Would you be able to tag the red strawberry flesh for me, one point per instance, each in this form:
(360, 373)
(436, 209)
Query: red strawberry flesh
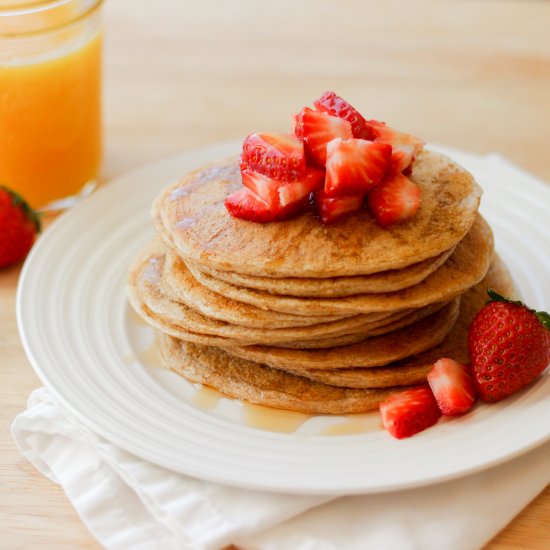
(316, 129)
(405, 146)
(312, 180)
(265, 188)
(452, 384)
(396, 199)
(331, 209)
(278, 156)
(355, 166)
(334, 105)
(245, 205)
(408, 412)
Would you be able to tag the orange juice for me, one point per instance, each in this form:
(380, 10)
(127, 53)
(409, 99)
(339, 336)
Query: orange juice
(50, 114)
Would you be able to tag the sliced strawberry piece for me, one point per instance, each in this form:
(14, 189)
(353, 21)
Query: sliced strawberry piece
(354, 166)
(316, 129)
(331, 209)
(405, 146)
(278, 156)
(334, 105)
(396, 199)
(247, 206)
(452, 384)
(296, 190)
(410, 411)
(265, 188)
(275, 193)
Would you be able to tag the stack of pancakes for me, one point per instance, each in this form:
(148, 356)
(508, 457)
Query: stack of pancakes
(313, 318)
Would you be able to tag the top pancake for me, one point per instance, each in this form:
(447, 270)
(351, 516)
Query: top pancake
(191, 217)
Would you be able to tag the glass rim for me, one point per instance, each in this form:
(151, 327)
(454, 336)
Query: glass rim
(28, 16)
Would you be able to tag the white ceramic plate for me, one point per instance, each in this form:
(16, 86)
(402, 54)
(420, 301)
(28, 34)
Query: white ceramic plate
(88, 348)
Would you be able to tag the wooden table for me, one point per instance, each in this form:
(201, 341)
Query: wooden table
(179, 75)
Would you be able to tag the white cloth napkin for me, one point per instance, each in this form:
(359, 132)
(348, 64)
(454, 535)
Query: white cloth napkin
(128, 503)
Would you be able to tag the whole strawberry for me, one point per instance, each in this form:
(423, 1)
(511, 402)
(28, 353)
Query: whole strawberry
(509, 347)
(19, 225)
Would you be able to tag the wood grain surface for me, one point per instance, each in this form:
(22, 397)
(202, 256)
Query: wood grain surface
(180, 75)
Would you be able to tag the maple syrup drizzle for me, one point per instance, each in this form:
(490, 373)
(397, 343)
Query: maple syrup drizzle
(272, 420)
(149, 356)
(136, 318)
(354, 424)
(206, 398)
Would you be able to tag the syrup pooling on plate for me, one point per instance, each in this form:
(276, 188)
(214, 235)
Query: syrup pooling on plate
(206, 398)
(272, 420)
(149, 356)
(354, 424)
(281, 421)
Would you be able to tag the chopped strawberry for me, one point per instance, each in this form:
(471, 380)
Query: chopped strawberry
(405, 146)
(331, 209)
(453, 386)
(396, 199)
(354, 166)
(334, 105)
(278, 156)
(275, 193)
(316, 129)
(265, 188)
(246, 205)
(410, 411)
(297, 190)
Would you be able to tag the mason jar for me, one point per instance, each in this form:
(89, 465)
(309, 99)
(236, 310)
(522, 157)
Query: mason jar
(50, 98)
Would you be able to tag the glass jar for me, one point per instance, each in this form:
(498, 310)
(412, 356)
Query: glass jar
(50, 98)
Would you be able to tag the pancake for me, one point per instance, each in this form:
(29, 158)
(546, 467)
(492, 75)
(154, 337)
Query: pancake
(464, 268)
(324, 342)
(256, 383)
(191, 215)
(334, 287)
(413, 370)
(262, 385)
(385, 326)
(178, 319)
(376, 351)
(179, 285)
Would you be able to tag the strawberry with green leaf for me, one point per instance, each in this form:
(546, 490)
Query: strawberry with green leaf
(19, 225)
(509, 346)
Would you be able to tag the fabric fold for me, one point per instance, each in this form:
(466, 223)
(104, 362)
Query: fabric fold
(129, 503)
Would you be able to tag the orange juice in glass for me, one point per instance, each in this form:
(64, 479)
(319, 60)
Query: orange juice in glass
(50, 98)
